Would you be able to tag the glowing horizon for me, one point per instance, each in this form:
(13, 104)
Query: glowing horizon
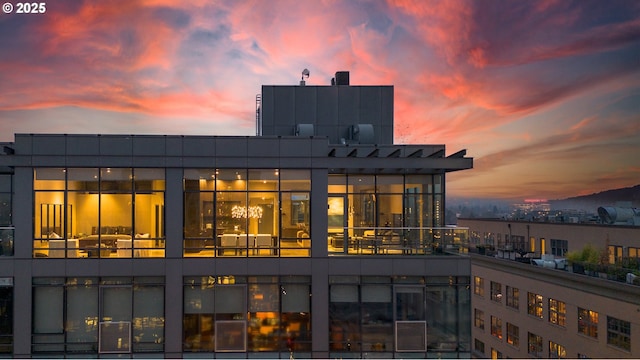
(544, 95)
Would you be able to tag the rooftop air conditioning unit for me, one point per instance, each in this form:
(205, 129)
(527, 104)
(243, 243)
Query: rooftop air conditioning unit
(342, 78)
(304, 130)
(362, 134)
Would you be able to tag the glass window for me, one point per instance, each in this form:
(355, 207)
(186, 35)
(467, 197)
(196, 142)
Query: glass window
(478, 318)
(337, 184)
(278, 313)
(496, 291)
(6, 184)
(99, 212)
(496, 327)
(344, 318)
(557, 351)
(48, 319)
(588, 322)
(389, 214)
(293, 180)
(478, 346)
(534, 305)
(513, 297)
(559, 247)
(478, 285)
(496, 354)
(6, 240)
(263, 179)
(365, 311)
(377, 317)
(513, 335)
(619, 333)
(82, 305)
(557, 312)
(49, 178)
(88, 315)
(535, 345)
(231, 179)
(247, 212)
(6, 318)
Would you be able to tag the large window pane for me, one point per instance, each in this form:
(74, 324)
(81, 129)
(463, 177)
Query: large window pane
(82, 315)
(230, 302)
(49, 179)
(199, 310)
(199, 217)
(337, 184)
(5, 199)
(409, 303)
(377, 317)
(116, 179)
(148, 318)
(49, 214)
(344, 318)
(295, 180)
(263, 180)
(231, 180)
(47, 306)
(199, 179)
(116, 303)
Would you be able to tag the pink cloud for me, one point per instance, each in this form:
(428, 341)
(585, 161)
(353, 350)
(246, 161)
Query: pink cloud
(466, 74)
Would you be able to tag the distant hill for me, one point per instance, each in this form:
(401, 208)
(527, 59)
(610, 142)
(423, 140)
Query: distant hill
(604, 198)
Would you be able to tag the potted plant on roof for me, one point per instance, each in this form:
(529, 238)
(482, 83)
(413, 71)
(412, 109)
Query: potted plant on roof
(584, 261)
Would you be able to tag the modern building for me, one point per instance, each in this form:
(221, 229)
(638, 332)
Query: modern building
(317, 238)
(528, 301)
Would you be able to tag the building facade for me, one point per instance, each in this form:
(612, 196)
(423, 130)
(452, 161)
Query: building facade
(316, 239)
(528, 301)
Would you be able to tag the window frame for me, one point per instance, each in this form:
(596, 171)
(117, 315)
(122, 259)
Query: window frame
(534, 344)
(513, 335)
(513, 297)
(496, 291)
(535, 305)
(478, 318)
(478, 286)
(496, 327)
(619, 333)
(557, 351)
(586, 324)
(557, 312)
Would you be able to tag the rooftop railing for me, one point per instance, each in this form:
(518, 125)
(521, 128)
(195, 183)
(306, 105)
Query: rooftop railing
(625, 272)
(398, 240)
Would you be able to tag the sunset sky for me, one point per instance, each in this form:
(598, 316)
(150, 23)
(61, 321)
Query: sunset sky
(544, 95)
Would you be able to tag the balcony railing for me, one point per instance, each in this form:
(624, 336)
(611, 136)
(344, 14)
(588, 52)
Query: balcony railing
(398, 240)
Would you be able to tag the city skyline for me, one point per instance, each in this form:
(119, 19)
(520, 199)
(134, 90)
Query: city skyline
(543, 94)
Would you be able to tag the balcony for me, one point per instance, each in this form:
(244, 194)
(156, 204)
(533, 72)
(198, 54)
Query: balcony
(402, 241)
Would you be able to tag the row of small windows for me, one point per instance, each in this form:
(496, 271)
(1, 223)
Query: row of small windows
(618, 331)
(558, 247)
(534, 345)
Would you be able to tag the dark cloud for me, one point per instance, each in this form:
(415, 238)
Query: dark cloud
(174, 18)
